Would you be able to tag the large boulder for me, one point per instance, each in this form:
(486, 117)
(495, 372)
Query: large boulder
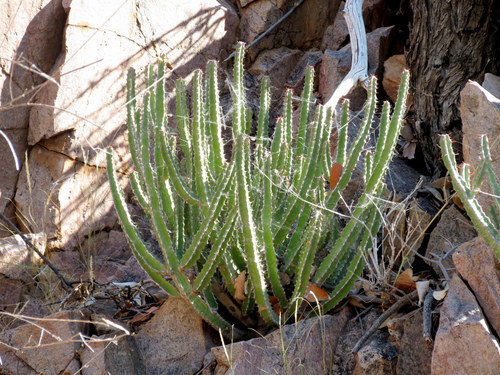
(174, 341)
(452, 230)
(464, 344)
(82, 112)
(307, 346)
(32, 33)
(480, 113)
(476, 264)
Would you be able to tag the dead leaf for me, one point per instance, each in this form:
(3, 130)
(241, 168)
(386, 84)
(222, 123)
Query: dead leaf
(409, 149)
(405, 281)
(440, 294)
(422, 289)
(335, 173)
(458, 202)
(442, 183)
(276, 305)
(143, 317)
(239, 286)
(407, 132)
(315, 293)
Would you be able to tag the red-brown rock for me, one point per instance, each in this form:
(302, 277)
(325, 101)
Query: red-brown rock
(306, 346)
(480, 113)
(393, 68)
(476, 264)
(464, 344)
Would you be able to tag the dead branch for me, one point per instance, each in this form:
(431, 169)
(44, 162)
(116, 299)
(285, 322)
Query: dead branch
(359, 65)
(382, 318)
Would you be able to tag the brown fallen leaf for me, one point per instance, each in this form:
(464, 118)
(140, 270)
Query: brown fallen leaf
(405, 281)
(276, 305)
(142, 317)
(239, 286)
(335, 173)
(315, 293)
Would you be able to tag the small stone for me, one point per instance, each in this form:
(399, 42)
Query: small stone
(393, 68)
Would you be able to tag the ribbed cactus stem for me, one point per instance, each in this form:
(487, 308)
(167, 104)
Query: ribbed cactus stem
(483, 224)
(214, 119)
(252, 250)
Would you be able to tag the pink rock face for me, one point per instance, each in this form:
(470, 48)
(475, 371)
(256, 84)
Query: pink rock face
(67, 200)
(32, 32)
(464, 344)
(480, 113)
(83, 112)
(477, 265)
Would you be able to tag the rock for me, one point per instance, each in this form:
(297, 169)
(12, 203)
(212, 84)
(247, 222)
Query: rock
(244, 3)
(130, 35)
(307, 24)
(47, 347)
(309, 347)
(277, 64)
(256, 18)
(491, 84)
(303, 29)
(464, 344)
(84, 113)
(16, 259)
(344, 360)
(414, 355)
(477, 265)
(336, 64)
(376, 358)
(335, 34)
(452, 230)
(32, 33)
(174, 341)
(297, 75)
(18, 287)
(92, 358)
(393, 68)
(67, 199)
(403, 233)
(376, 13)
(11, 365)
(480, 113)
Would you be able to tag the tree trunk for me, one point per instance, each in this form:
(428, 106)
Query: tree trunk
(450, 43)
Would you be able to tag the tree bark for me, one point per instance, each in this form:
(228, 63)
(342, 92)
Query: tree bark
(450, 43)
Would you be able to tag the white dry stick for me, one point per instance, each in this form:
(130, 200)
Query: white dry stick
(12, 149)
(359, 65)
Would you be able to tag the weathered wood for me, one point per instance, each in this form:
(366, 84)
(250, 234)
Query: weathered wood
(450, 43)
(359, 66)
